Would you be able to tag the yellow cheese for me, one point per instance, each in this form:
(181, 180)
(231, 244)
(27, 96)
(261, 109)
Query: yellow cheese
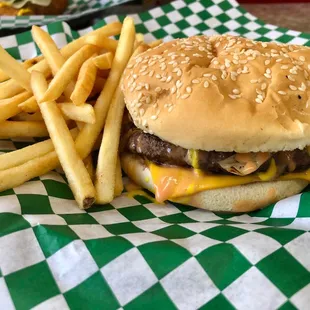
(175, 182)
(22, 12)
(270, 173)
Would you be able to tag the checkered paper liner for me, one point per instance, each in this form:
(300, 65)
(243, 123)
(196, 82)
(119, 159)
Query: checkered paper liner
(134, 254)
(76, 8)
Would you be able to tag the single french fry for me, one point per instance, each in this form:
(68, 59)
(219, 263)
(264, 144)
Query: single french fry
(78, 177)
(36, 167)
(119, 186)
(48, 48)
(51, 53)
(26, 64)
(67, 73)
(85, 82)
(104, 61)
(88, 135)
(10, 107)
(30, 105)
(140, 37)
(102, 42)
(155, 43)
(26, 117)
(12, 129)
(88, 162)
(14, 69)
(84, 113)
(21, 156)
(11, 87)
(107, 158)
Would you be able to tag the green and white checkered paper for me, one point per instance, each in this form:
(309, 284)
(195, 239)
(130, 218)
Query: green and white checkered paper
(134, 254)
(76, 9)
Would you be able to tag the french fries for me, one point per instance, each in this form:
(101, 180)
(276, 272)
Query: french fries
(104, 61)
(12, 129)
(66, 74)
(85, 82)
(14, 69)
(106, 173)
(19, 157)
(84, 113)
(10, 107)
(32, 107)
(102, 42)
(119, 186)
(90, 132)
(78, 177)
(107, 159)
(155, 43)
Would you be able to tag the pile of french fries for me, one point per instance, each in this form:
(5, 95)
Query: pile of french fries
(52, 96)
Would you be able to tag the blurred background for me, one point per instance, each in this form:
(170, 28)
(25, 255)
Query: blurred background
(292, 14)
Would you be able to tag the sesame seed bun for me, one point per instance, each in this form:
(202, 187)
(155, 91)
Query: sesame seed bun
(222, 93)
(244, 198)
(57, 7)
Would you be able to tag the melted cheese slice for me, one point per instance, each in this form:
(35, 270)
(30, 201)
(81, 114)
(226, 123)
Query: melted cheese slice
(175, 182)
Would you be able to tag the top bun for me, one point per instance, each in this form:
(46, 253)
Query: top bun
(222, 93)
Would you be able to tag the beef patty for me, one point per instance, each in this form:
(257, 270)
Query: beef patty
(165, 153)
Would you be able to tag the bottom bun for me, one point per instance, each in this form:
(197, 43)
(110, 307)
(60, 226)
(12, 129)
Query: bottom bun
(243, 198)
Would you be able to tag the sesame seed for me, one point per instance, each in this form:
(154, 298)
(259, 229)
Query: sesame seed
(158, 76)
(291, 78)
(253, 81)
(184, 96)
(188, 89)
(141, 112)
(170, 109)
(292, 87)
(264, 86)
(169, 78)
(233, 76)
(260, 97)
(215, 62)
(206, 84)
(281, 92)
(302, 87)
(232, 96)
(173, 90)
(147, 86)
(293, 71)
(207, 75)
(267, 62)
(179, 73)
(195, 81)
(154, 117)
(264, 44)
(279, 60)
(284, 67)
(258, 100)
(268, 71)
(179, 84)
(214, 78)
(302, 58)
(236, 91)
(158, 89)
(268, 76)
(148, 100)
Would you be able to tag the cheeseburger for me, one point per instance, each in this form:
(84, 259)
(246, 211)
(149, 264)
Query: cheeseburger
(220, 123)
(32, 7)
